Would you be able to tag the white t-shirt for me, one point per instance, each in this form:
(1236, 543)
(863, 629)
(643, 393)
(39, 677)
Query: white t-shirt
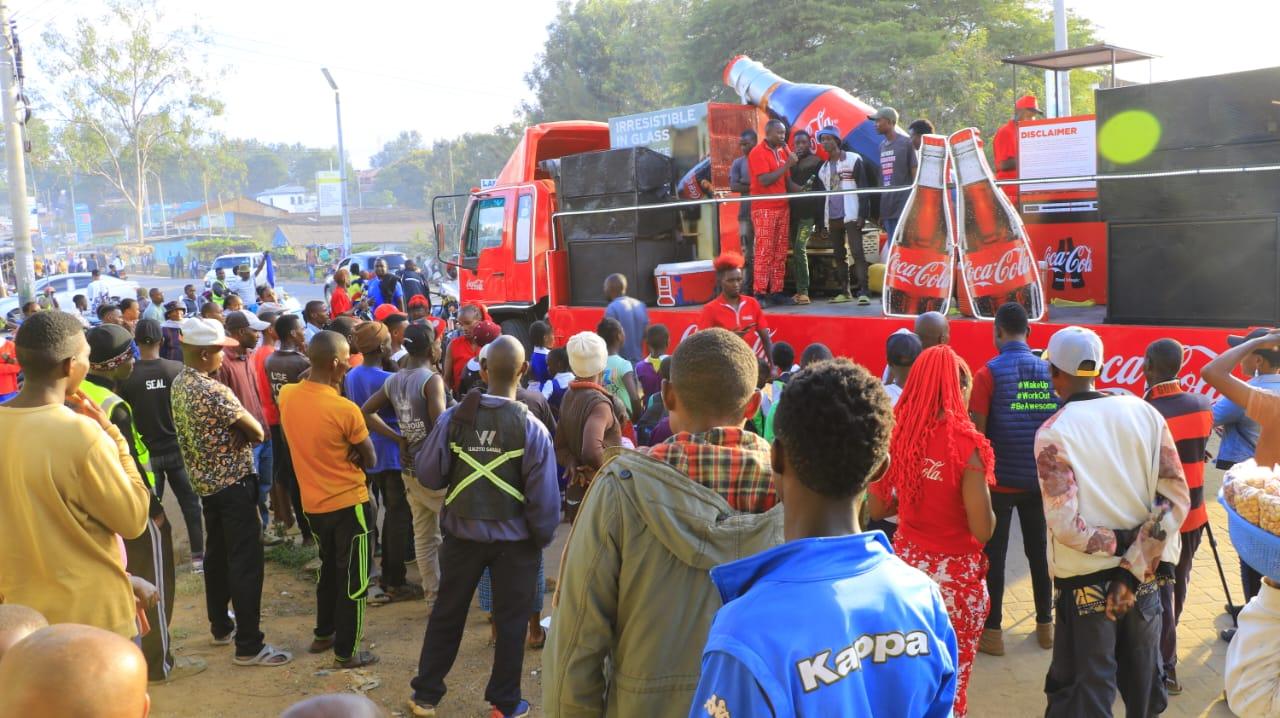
(894, 391)
(842, 174)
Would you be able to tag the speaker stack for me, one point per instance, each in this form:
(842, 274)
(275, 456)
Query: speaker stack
(627, 242)
(1199, 249)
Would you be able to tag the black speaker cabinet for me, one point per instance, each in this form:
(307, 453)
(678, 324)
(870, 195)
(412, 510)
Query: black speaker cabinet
(1205, 272)
(591, 260)
(622, 223)
(630, 169)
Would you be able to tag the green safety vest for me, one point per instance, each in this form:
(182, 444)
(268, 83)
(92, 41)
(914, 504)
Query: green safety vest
(484, 481)
(215, 297)
(108, 400)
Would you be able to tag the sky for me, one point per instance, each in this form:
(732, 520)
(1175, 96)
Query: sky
(446, 67)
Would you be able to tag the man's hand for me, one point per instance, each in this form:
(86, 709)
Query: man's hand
(791, 159)
(353, 455)
(1119, 600)
(84, 406)
(1270, 341)
(144, 594)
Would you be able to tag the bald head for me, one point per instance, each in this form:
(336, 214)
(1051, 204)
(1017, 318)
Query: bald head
(505, 361)
(74, 670)
(615, 285)
(932, 328)
(334, 705)
(16, 623)
(1164, 360)
(326, 346)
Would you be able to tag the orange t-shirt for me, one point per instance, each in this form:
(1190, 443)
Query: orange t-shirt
(1264, 408)
(321, 427)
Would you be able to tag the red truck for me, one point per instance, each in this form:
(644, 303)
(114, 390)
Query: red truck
(510, 260)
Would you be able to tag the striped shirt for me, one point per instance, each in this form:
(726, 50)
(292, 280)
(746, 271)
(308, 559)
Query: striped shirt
(1190, 420)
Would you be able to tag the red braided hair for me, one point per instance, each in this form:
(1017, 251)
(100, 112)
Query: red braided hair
(932, 401)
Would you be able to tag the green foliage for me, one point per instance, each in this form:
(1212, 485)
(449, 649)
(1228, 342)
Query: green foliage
(291, 555)
(209, 248)
(403, 145)
(938, 59)
(448, 167)
(129, 95)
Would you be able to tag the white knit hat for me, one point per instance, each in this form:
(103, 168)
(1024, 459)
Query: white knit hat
(587, 354)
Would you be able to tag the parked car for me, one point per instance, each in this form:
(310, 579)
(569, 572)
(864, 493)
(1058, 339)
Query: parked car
(229, 262)
(66, 287)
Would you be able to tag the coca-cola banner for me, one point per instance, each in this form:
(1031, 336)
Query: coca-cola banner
(1075, 254)
(862, 339)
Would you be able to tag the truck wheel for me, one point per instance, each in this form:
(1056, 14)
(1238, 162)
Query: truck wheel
(518, 328)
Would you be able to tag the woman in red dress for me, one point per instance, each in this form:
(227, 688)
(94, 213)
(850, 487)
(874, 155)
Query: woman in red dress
(339, 300)
(937, 483)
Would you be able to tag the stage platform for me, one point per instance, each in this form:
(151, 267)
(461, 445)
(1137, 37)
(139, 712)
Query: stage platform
(823, 308)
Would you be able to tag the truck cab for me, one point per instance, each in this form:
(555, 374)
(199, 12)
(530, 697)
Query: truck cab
(508, 257)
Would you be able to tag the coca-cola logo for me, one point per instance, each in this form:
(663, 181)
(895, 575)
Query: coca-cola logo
(1012, 264)
(1079, 259)
(929, 275)
(1125, 372)
(475, 285)
(820, 121)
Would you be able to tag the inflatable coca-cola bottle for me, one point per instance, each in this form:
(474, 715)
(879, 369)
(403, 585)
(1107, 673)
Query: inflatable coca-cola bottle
(807, 107)
(920, 262)
(997, 264)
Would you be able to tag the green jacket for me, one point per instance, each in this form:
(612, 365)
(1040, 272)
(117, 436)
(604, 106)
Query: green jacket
(635, 601)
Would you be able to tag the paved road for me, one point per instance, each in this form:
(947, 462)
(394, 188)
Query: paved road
(172, 288)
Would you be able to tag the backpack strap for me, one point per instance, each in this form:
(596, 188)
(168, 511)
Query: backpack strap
(467, 410)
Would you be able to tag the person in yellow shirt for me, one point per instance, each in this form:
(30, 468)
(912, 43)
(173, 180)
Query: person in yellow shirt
(70, 489)
(330, 446)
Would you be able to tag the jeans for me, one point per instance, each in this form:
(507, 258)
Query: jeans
(747, 238)
(1093, 657)
(801, 230)
(425, 505)
(857, 276)
(151, 558)
(1030, 508)
(283, 461)
(1173, 596)
(343, 539)
(514, 568)
(233, 564)
(397, 525)
(169, 468)
(889, 225)
(264, 462)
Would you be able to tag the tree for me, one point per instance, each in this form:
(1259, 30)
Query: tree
(129, 94)
(406, 142)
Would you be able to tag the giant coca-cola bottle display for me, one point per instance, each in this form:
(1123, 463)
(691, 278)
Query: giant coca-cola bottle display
(807, 107)
(996, 260)
(920, 262)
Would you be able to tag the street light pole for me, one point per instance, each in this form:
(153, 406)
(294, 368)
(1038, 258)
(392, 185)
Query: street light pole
(24, 265)
(342, 165)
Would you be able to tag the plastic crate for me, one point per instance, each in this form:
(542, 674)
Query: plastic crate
(1256, 546)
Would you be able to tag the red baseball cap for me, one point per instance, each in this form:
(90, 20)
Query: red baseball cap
(385, 310)
(484, 332)
(1028, 102)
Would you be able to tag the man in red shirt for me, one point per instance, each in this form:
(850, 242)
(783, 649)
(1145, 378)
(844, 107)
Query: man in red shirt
(770, 164)
(1004, 146)
(730, 310)
(9, 370)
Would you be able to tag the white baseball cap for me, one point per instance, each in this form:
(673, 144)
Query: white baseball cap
(1076, 351)
(242, 318)
(200, 332)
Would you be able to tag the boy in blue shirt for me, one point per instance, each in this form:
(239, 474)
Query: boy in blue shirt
(831, 622)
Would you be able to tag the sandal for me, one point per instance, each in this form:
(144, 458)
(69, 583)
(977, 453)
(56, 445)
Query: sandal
(268, 657)
(407, 592)
(359, 659)
(224, 640)
(320, 644)
(377, 597)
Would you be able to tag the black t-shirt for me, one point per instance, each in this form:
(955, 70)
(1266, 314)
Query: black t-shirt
(285, 366)
(147, 391)
(804, 172)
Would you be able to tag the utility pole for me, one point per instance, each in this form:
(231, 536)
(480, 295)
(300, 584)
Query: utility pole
(342, 165)
(24, 269)
(1063, 79)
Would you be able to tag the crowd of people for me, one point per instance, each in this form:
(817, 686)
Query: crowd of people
(741, 484)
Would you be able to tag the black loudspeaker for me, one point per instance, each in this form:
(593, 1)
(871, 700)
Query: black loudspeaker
(591, 260)
(630, 169)
(1207, 272)
(622, 223)
(1205, 122)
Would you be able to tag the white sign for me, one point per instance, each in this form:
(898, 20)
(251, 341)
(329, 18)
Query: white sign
(329, 193)
(487, 183)
(1062, 147)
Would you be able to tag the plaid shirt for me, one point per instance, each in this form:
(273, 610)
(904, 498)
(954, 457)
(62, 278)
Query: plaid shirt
(730, 461)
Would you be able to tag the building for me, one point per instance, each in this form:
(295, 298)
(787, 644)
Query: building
(238, 212)
(391, 230)
(292, 198)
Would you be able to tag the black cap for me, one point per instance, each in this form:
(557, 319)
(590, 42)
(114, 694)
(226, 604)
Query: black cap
(107, 341)
(147, 331)
(417, 337)
(1271, 355)
(903, 348)
(173, 306)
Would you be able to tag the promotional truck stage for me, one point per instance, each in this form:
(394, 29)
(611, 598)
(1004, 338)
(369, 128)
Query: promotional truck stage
(522, 259)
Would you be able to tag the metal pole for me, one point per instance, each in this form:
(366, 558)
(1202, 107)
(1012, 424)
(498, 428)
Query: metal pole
(1063, 85)
(24, 269)
(342, 165)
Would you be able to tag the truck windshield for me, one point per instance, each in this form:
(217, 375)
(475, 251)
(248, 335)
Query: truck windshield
(485, 228)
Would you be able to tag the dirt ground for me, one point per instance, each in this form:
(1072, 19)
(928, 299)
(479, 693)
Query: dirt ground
(393, 631)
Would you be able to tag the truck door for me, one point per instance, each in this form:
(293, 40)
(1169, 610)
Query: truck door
(521, 283)
(487, 255)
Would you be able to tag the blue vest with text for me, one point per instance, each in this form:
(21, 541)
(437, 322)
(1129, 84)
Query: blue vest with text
(1022, 399)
